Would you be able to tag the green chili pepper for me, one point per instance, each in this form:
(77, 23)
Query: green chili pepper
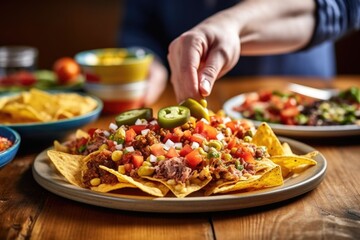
(130, 117)
(173, 116)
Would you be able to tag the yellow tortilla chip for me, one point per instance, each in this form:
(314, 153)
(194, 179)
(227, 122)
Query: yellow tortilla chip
(39, 106)
(153, 188)
(265, 136)
(271, 178)
(68, 165)
(182, 190)
(293, 163)
(287, 149)
(108, 187)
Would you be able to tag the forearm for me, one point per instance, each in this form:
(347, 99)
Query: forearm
(273, 26)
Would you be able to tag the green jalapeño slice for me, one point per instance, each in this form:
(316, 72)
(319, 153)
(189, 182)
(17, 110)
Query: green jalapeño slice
(173, 116)
(197, 109)
(129, 117)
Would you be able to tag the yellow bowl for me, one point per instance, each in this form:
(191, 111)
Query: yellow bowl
(115, 65)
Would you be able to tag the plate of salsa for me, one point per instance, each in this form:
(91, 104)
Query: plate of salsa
(294, 115)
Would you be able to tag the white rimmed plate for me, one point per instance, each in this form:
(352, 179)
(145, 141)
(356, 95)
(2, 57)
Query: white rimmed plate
(49, 178)
(293, 131)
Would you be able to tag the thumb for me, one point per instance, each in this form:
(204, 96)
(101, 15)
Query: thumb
(208, 74)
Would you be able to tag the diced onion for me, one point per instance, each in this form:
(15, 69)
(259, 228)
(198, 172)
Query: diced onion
(178, 145)
(130, 149)
(119, 146)
(220, 136)
(195, 145)
(152, 158)
(168, 144)
(153, 122)
(113, 126)
(145, 131)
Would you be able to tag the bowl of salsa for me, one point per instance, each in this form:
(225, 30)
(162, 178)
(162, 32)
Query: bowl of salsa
(9, 145)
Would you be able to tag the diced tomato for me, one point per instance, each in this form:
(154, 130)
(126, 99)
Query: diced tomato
(265, 96)
(138, 128)
(206, 130)
(185, 150)
(157, 149)
(232, 143)
(172, 153)
(130, 135)
(245, 154)
(91, 131)
(128, 167)
(173, 136)
(236, 127)
(80, 142)
(193, 159)
(290, 112)
(196, 137)
(137, 160)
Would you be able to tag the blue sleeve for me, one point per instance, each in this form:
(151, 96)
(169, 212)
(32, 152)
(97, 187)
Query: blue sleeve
(140, 26)
(334, 19)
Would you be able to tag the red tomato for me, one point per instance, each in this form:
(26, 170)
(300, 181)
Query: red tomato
(130, 135)
(137, 160)
(157, 149)
(172, 153)
(138, 128)
(193, 159)
(66, 69)
(185, 150)
(206, 130)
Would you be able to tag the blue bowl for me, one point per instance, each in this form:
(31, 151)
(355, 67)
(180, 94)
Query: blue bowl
(9, 154)
(56, 129)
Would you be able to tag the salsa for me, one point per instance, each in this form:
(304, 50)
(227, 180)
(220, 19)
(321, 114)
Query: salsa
(293, 109)
(4, 143)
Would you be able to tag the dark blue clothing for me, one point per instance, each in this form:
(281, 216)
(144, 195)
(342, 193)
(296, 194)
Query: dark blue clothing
(155, 23)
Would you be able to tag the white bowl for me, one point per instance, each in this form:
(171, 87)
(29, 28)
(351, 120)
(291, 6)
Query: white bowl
(118, 97)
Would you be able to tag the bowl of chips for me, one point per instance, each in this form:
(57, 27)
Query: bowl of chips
(115, 65)
(9, 145)
(41, 114)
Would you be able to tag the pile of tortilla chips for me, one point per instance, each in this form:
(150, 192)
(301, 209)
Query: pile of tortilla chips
(39, 106)
(270, 171)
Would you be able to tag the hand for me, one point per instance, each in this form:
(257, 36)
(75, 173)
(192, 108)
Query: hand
(203, 54)
(157, 80)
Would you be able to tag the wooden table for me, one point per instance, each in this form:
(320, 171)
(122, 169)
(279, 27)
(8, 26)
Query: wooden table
(331, 211)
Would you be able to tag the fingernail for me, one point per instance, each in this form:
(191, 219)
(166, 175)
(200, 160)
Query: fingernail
(205, 86)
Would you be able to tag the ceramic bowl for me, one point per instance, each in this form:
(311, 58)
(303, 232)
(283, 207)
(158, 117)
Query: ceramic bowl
(118, 97)
(9, 154)
(115, 65)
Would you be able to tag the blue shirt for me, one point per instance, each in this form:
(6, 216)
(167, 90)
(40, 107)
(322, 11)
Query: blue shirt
(154, 24)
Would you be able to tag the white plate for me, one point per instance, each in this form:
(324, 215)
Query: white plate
(294, 131)
(47, 176)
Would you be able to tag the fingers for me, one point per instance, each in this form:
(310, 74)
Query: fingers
(184, 58)
(218, 62)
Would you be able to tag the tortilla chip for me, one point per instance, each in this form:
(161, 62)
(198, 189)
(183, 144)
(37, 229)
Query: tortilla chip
(153, 188)
(40, 106)
(287, 149)
(265, 136)
(271, 178)
(108, 187)
(68, 165)
(181, 190)
(293, 163)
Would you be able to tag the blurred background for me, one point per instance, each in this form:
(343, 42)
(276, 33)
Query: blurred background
(64, 28)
